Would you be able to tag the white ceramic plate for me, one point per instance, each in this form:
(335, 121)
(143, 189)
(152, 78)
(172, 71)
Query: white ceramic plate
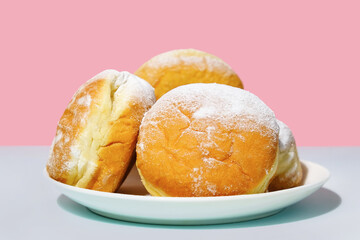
(133, 204)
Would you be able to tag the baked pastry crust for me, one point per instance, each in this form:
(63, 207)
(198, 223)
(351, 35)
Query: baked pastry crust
(175, 68)
(207, 140)
(289, 172)
(96, 135)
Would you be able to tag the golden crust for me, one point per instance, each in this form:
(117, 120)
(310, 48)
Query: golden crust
(181, 155)
(180, 67)
(97, 133)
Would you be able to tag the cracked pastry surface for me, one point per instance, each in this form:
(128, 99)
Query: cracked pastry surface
(207, 140)
(175, 68)
(96, 135)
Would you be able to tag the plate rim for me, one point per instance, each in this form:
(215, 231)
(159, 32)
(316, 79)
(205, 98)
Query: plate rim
(124, 196)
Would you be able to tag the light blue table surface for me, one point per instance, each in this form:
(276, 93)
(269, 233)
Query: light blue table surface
(30, 208)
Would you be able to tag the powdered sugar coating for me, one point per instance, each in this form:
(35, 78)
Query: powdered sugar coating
(87, 121)
(136, 88)
(289, 170)
(202, 62)
(220, 103)
(204, 132)
(286, 138)
(85, 100)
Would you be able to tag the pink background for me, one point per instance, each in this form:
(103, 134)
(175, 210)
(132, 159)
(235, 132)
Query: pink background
(302, 59)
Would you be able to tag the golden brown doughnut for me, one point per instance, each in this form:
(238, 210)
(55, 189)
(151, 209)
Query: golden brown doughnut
(207, 140)
(179, 67)
(289, 172)
(96, 135)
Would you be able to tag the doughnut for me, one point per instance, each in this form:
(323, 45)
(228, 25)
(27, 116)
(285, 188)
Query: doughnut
(179, 67)
(96, 135)
(289, 172)
(207, 140)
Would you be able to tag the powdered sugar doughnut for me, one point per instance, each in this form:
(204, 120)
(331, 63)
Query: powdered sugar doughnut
(184, 66)
(289, 171)
(207, 140)
(96, 135)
